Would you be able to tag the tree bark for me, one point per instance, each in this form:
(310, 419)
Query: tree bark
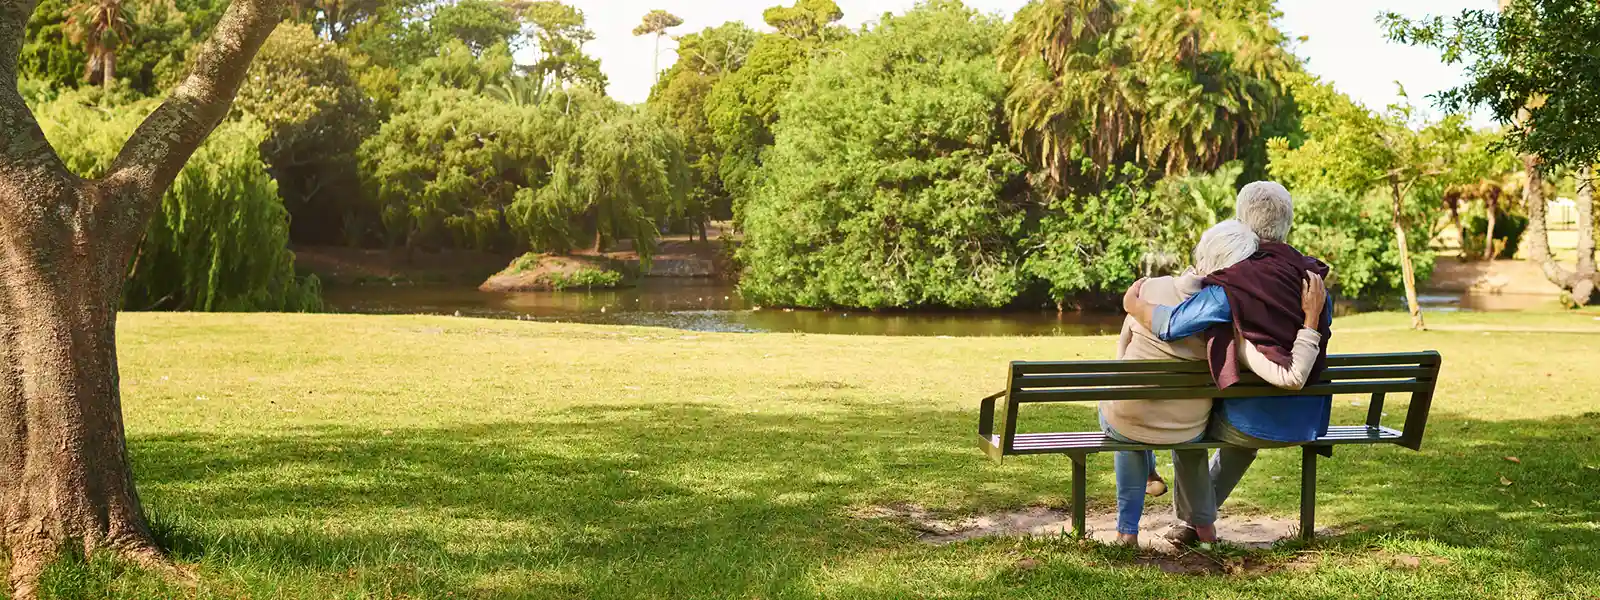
(1538, 230)
(1583, 285)
(109, 78)
(1453, 200)
(65, 247)
(1405, 259)
(1492, 204)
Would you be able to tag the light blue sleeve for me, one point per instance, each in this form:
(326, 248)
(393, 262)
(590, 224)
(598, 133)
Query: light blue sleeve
(1198, 313)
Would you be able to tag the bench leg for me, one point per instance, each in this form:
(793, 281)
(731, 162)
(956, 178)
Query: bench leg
(1308, 492)
(1079, 485)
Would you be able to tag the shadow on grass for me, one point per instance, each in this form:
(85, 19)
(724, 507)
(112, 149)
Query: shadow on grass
(681, 501)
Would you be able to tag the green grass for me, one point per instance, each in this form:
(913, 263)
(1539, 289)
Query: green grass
(325, 456)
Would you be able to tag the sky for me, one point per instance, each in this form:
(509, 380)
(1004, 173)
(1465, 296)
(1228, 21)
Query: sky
(1344, 43)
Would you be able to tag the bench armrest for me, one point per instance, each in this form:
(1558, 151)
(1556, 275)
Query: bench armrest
(991, 444)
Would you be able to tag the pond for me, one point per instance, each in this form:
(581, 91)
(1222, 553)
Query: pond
(715, 306)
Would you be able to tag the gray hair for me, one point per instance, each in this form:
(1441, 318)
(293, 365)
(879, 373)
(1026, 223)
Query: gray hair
(1267, 208)
(1224, 245)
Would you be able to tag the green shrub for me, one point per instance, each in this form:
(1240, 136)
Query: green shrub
(1508, 228)
(585, 278)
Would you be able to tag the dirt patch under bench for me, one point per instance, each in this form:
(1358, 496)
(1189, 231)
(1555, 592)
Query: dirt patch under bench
(1254, 531)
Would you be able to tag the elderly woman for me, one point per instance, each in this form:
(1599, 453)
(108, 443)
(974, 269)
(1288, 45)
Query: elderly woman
(1179, 421)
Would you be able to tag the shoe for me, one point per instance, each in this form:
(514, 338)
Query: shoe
(1155, 488)
(1182, 536)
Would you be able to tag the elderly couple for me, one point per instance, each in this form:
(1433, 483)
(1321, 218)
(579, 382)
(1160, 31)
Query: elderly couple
(1250, 302)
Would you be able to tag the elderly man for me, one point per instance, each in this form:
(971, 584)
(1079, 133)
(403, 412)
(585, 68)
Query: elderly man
(1256, 301)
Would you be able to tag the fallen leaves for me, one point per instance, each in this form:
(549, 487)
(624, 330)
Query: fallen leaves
(1504, 481)
(1513, 459)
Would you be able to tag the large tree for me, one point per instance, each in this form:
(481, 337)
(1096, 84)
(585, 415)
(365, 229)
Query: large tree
(1168, 85)
(1534, 66)
(680, 97)
(890, 184)
(65, 246)
(1356, 151)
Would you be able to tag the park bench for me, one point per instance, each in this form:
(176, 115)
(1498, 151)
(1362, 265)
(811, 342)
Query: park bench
(1413, 373)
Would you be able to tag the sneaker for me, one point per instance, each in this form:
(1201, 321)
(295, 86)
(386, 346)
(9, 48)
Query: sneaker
(1155, 487)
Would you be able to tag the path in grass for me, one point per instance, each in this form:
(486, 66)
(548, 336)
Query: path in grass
(402, 457)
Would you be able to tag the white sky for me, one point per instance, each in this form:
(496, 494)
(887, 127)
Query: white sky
(1345, 45)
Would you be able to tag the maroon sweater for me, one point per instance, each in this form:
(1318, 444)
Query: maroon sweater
(1264, 297)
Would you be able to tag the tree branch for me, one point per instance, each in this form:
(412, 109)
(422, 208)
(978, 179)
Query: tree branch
(161, 145)
(26, 158)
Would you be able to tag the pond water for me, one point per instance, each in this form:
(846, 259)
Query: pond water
(714, 306)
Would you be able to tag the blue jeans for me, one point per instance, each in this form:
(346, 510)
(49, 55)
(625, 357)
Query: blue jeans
(1133, 469)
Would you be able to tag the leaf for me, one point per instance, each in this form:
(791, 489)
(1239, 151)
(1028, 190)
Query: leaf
(1513, 459)
(1504, 481)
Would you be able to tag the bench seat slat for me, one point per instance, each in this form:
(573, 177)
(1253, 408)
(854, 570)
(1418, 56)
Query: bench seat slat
(1080, 380)
(1426, 359)
(1094, 441)
(1422, 359)
(1236, 391)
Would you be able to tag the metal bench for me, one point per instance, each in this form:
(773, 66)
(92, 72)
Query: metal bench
(1413, 373)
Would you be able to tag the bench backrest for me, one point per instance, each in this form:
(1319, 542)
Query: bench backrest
(1083, 381)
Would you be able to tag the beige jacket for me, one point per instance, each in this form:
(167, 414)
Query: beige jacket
(1178, 421)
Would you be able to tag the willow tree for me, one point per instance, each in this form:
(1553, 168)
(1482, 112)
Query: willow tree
(65, 246)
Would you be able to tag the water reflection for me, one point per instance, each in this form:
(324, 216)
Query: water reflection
(704, 305)
(709, 305)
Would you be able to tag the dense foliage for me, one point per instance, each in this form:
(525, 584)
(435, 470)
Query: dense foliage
(306, 91)
(220, 241)
(1533, 65)
(890, 183)
(680, 97)
(936, 158)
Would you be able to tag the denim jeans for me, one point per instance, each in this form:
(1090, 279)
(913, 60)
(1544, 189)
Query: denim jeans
(1133, 469)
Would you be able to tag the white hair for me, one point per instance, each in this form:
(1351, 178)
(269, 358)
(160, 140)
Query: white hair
(1267, 208)
(1224, 245)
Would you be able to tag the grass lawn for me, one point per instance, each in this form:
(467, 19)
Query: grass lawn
(327, 456)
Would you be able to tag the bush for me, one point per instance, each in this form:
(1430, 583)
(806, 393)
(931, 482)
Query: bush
(585, 278)
(890, 184)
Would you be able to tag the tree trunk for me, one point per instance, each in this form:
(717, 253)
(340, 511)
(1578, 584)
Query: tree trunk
(64, 474)
(1583, 284)
(1492, 204)
(1538, 233)
(109, 78)
(65, 248)
(1454, 202)
(1405, 260)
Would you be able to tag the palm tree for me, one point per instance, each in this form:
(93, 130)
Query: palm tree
(102, 26)
(524, 90)
(1171, 85)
